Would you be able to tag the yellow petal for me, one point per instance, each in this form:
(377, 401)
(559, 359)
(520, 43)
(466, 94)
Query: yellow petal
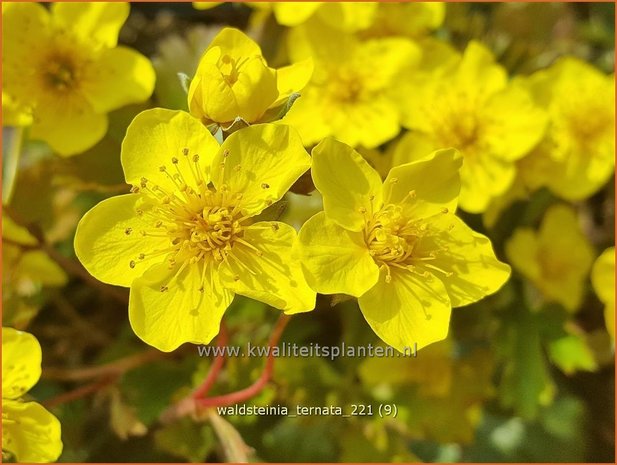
(235, 43)
(435, 181)
(484, 177)
(165, 319)
(390, 58)
(603, 275)
(348, 16)
(516, 125)
(409, 19)
(293, 78)
(367, 123)
(120, 76)
(108, 240)
(69, 124)
(15, 112)
(293, 13)
(25, 26)
(350, 187)
(96, 23)
(335, 260)
(271, 275)
(156, 136)
(302, 117)
(522, 252)
(467, 255)
(479, 71)
(30, 432)
(261, 162)
(21, 363)
(205, 5)
(408, 310)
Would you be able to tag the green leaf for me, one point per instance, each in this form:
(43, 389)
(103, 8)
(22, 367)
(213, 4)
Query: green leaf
(186, 439)
(571, 353)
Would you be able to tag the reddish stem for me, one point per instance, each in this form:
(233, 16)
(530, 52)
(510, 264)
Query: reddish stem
(217, 365)
(78, 393)
(260, 383)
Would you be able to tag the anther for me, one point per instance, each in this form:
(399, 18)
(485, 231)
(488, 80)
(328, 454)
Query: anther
(164, 288)
(236, 278)
(196, 157)
(142, 256)
(185, 152)
(444, 210)
(134, 189)
(132, 264)
(174, 160)
(275, 227)
(265, 185)
(162, 168)
(128, 231)
(158, 224)
(394, 180)
(362, 210)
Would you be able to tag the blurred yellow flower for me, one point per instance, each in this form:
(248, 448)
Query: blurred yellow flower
(603, 280)
(410, 19)
(233, 81)
(577, 156)
(345, 16)
(354, 94)
(470, 106)
(185, 240)
(396, 245)
(64, 71)
(29, 432)
(26, 269)
(556, 259)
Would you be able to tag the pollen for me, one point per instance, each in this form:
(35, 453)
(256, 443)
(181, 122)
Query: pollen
(200, 222)
(394, 240)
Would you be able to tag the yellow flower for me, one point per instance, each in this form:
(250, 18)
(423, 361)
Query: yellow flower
(472, 108)
(345, 16)
(185, 240)
(396, 245)
(233, 81)
(29, 432)
(603, 280)
(65, 71)
(577, 156)
(26, 269)
(354, 92)
(410, 19)
(556, 259)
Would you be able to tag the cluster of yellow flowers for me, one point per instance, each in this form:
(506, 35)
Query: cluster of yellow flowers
(189, 235)
(192, 232)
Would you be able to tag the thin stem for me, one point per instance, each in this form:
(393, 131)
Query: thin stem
(114, 368)
(260, 383)
(189, 405)
(80, 392)
(216, 367)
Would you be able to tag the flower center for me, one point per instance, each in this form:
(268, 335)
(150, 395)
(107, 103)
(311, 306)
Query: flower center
(345, 86)
(201, 222)
(391, 237)
(60, 74)
(394, 237)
